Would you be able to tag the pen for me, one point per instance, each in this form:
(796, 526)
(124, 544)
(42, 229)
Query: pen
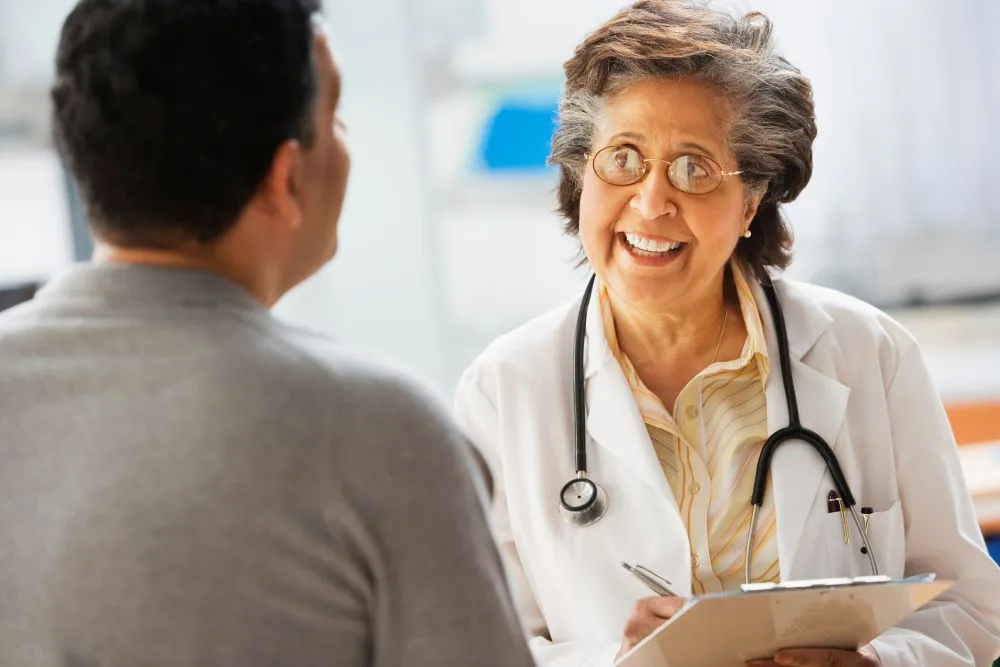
(834, 503)
(865, 513)
(650, 579)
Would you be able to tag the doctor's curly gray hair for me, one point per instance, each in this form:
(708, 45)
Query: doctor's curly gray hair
(772, 121)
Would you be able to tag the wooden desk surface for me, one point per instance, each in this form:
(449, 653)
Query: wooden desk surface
(975, 423)
(990, 526)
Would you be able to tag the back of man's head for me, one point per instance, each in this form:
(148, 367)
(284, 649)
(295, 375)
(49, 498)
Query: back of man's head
(170, 112)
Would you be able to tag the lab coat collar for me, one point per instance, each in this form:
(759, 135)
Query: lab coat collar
(613, 418)
(811, 322)
(797, 471)
(597, 354)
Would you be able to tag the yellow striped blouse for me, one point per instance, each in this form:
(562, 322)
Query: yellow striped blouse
(708, 447)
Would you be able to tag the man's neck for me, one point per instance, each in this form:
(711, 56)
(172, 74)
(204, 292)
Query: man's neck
(196, 258)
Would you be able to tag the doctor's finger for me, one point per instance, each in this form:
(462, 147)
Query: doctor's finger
(638, 629)
(661, 606)
(649, 614)
(864, 657)
(820, 658)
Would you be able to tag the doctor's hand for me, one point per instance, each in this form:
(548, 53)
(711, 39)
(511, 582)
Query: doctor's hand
(822, 657)
(649, 614)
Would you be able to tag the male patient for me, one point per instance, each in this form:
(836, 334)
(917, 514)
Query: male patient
(181, 482)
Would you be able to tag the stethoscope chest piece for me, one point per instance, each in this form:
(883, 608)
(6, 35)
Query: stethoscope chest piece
(582, 501)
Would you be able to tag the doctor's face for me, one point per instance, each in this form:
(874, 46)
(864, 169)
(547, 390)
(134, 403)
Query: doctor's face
(651, 242)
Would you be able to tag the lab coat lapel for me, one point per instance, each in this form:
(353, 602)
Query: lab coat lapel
(797, 470)
(613, 418)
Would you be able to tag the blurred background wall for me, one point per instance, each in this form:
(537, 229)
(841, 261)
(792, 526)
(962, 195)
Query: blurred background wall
(449, 236)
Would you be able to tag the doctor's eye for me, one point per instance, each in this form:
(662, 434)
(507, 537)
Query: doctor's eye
(695, 174)
(619, 165)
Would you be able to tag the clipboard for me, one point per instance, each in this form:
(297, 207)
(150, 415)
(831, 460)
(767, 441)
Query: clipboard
(727, 629)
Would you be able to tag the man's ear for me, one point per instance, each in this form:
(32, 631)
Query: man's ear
(282, 187)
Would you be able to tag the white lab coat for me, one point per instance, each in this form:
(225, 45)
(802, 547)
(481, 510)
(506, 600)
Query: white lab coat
(861, 384)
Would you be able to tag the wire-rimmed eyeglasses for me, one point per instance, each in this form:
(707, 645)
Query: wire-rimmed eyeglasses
(625, 165)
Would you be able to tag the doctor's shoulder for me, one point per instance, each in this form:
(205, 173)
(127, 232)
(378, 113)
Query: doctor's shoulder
(529, 355)
(866, 335)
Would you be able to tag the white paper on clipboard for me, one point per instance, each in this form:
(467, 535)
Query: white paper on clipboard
(727, 629)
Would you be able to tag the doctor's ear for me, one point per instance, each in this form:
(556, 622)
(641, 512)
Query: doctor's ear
(750, 207)
(282, 187)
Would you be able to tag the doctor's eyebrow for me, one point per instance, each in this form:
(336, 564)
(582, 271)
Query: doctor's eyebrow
(633, 136)
(684, 145)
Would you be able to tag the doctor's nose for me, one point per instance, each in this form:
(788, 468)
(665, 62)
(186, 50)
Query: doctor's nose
(655, 197)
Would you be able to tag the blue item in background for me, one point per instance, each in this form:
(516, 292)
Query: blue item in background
(993, 545)
(518, 136)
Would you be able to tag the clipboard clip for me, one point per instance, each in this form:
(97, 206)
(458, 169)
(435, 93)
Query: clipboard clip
(836, 582)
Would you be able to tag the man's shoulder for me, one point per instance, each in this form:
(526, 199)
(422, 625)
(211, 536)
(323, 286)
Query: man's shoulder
(365, 393)
(362, 376)
(386, 417)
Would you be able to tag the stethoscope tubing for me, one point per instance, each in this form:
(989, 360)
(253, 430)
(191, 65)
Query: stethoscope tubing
(591, 512)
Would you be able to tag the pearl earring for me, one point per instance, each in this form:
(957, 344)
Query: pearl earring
(746, 234)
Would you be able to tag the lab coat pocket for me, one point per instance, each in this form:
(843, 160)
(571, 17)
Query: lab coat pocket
(885, 534)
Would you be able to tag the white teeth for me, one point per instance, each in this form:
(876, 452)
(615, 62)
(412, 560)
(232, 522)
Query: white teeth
(650, 245)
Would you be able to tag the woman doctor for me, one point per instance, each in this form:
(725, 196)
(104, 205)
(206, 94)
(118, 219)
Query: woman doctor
(681, 132)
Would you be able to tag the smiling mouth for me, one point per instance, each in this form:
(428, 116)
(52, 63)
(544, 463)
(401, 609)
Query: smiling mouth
(646, 247)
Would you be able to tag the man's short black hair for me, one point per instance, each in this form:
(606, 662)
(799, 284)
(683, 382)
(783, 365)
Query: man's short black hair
(169, 112)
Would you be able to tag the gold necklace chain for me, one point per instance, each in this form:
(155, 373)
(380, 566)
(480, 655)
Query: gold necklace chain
(721, 334)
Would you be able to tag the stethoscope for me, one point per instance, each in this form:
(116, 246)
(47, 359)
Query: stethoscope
(582, 501)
